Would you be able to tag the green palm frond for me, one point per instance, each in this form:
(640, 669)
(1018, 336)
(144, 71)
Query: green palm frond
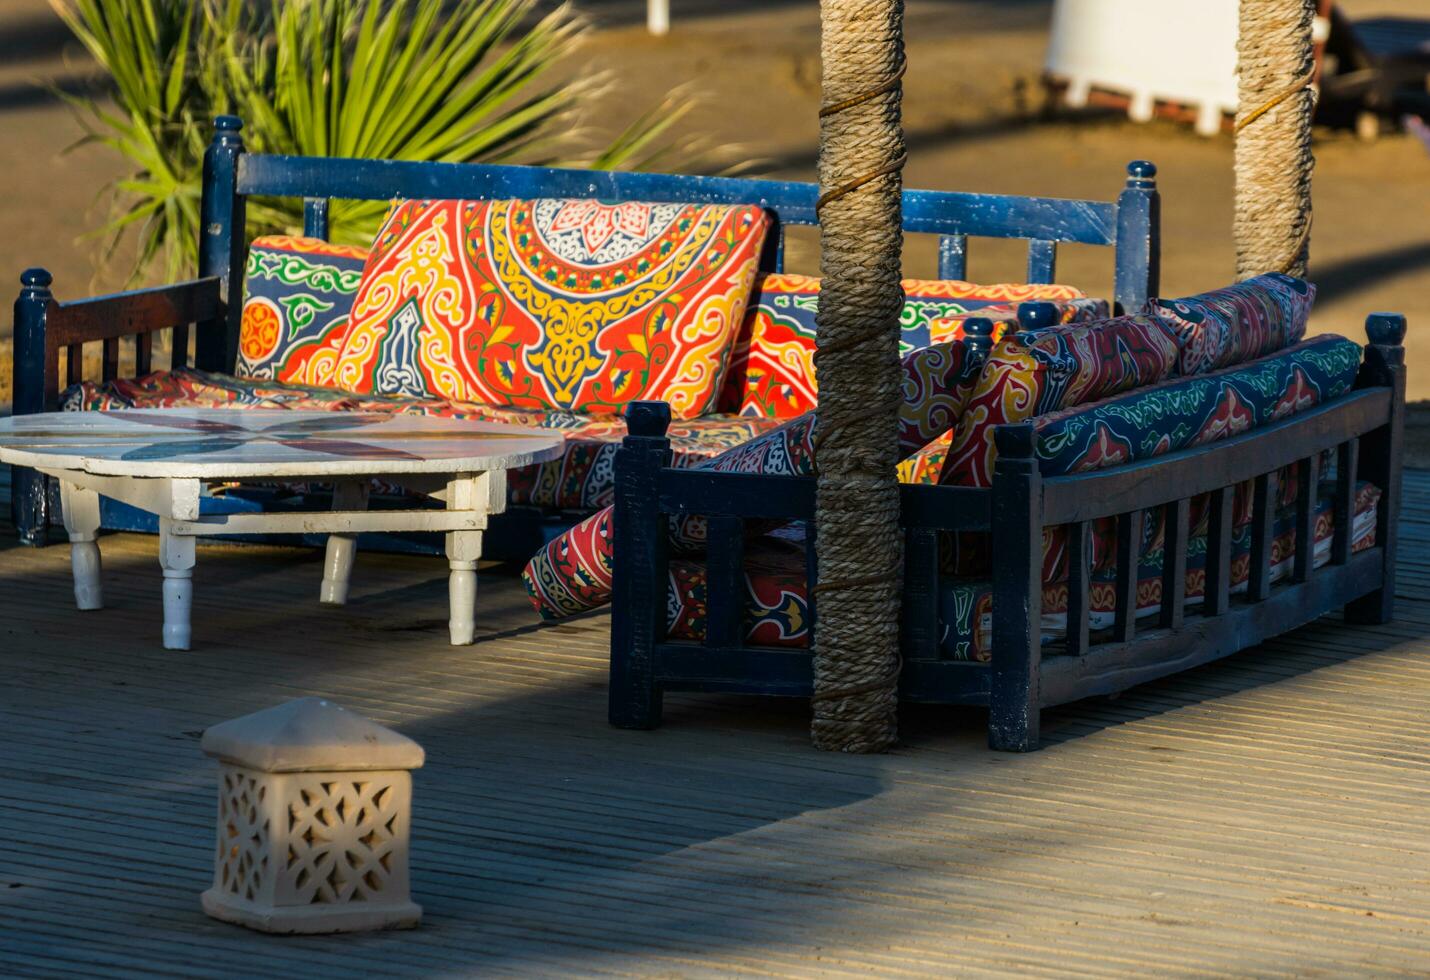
(440, 80)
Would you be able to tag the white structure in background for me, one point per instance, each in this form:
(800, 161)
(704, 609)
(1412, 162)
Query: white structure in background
(314, 808)
(1151, 51)
(657, 17)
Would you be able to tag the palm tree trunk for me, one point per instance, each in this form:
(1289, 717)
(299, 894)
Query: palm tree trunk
(1275, 71)
(858, 544)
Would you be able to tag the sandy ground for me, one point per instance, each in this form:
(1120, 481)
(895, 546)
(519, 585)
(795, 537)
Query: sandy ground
(972, 116)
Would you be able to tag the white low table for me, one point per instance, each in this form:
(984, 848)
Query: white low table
(159, 459)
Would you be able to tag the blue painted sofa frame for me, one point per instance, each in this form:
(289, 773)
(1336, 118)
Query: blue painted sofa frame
(1364, 428)
(213, 305)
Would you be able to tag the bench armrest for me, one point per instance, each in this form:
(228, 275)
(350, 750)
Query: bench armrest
(44, 326)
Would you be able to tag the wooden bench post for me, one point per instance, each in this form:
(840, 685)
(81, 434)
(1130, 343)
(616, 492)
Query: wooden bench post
(1014, 698)
(638, 586)
(1380, 458)
(36, 380)
(1139, 239)
(221, 244)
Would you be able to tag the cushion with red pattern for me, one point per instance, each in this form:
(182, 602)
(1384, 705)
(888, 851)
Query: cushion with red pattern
(577, 305)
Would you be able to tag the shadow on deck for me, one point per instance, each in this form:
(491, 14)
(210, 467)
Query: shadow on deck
(1262, 815)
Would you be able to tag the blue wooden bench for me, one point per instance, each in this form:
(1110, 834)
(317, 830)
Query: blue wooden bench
(211, 307)
(1363, 429)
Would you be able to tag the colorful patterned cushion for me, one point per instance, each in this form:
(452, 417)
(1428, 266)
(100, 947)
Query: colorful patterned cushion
(297, 293)
(772, 364)
(1029, 374)
(926, 465)
(1005, 318)
(1238, 323)
(192, 388)
(1183, 412)
(561, 304)
(777, 605)
(573, 572)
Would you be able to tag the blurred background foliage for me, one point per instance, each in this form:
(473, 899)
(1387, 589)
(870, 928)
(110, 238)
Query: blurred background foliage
(444, 80)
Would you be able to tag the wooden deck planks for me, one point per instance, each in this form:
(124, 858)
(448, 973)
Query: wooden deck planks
(1262, 815)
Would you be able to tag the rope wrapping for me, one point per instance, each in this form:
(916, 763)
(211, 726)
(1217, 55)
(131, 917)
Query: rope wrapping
(1276, 97)
(858, 543)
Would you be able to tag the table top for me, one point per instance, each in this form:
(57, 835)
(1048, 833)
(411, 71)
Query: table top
(234, 443)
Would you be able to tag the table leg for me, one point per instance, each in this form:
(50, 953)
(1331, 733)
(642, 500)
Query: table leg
(176, 557)
(338, 563)
(81, 514)
(464, 549)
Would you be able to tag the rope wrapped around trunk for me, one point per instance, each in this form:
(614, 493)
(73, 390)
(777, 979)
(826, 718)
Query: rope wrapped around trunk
(858, 541)
(1276, 96)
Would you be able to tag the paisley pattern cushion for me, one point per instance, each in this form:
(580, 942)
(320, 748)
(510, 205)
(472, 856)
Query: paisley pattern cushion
(573, 572)
(1029, 374)
(1236, 324)
(561, 304)
(772, 365)
(1183, 412)
(297, 293)
(926, 465)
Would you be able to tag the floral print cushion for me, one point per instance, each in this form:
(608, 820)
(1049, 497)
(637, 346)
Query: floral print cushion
(574, 305)
(297, 294)
(926, 465)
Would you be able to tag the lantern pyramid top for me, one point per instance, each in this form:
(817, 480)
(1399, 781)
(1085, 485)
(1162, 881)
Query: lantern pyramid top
(308, 735)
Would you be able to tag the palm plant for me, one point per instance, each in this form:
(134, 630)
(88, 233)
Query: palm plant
(445, 80)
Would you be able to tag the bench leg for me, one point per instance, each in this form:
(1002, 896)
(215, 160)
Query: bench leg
(176, 557)
(338, 562)
(81, 516)
(1372, 609)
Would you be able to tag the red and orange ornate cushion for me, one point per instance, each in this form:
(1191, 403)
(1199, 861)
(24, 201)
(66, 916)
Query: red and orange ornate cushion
(297, 293)
(772, 365)
(560, 304)
(1028, 374)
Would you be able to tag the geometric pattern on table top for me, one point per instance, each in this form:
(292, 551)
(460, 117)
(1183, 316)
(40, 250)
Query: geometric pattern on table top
(561, 304)
(341, 837)
(337, 435)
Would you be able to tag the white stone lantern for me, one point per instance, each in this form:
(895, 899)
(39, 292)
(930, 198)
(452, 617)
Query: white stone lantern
(314, 808)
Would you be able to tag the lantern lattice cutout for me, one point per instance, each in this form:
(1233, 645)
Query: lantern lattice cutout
(313, 818)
